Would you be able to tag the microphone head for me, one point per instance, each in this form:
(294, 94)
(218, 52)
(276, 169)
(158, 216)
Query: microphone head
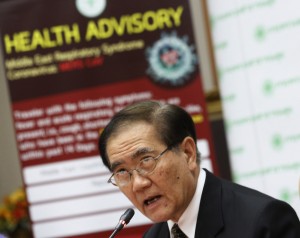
(128, 214)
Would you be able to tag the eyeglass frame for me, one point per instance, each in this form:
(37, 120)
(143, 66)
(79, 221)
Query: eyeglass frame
(136, 169)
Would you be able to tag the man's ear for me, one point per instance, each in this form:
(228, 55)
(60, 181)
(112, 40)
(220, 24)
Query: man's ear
(190, 150)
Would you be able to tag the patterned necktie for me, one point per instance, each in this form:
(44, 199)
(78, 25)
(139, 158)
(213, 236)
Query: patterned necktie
(177, 233)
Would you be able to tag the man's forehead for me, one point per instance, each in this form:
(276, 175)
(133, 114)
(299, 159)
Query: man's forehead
(134, 131)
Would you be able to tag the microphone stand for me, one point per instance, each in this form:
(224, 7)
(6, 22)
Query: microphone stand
(117, 229)
(113, 234)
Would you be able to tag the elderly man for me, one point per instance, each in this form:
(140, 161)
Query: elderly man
(151, 150)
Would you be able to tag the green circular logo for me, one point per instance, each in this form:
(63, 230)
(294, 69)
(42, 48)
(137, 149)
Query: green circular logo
(90, 8)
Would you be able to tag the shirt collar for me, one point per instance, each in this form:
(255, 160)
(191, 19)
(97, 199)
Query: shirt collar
(188, 220)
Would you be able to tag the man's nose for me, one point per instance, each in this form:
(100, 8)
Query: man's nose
(139, 182)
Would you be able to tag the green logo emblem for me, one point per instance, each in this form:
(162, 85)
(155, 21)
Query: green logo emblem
(90, 8)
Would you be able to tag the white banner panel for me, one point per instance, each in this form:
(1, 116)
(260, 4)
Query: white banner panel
(257, 52)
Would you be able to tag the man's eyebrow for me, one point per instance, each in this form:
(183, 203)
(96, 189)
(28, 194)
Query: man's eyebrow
(141, 151)
(135, 155)
(115, 164)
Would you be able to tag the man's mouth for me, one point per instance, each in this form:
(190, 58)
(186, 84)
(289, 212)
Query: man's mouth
(151, 200)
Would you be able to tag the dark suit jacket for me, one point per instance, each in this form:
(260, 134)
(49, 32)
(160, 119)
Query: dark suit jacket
(228, 210)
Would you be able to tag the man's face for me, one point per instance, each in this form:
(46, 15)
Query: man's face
(166, 192)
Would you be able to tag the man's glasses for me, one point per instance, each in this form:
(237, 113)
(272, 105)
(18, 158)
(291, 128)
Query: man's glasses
(122, 177)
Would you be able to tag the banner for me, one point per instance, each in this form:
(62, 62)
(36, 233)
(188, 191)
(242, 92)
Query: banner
(257, 49)
(70, 66)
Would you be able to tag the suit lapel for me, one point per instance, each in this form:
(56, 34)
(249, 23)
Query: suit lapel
(159, 230)
(210, 220)
(164, 231)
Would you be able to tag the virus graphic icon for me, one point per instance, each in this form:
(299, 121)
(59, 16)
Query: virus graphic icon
(171, 60)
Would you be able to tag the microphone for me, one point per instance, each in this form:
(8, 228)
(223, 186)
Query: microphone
(124, 220)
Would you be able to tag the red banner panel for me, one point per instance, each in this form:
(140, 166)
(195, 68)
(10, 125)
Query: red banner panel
(70, 66)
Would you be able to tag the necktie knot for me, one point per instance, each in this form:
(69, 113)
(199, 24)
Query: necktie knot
(176, 232)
